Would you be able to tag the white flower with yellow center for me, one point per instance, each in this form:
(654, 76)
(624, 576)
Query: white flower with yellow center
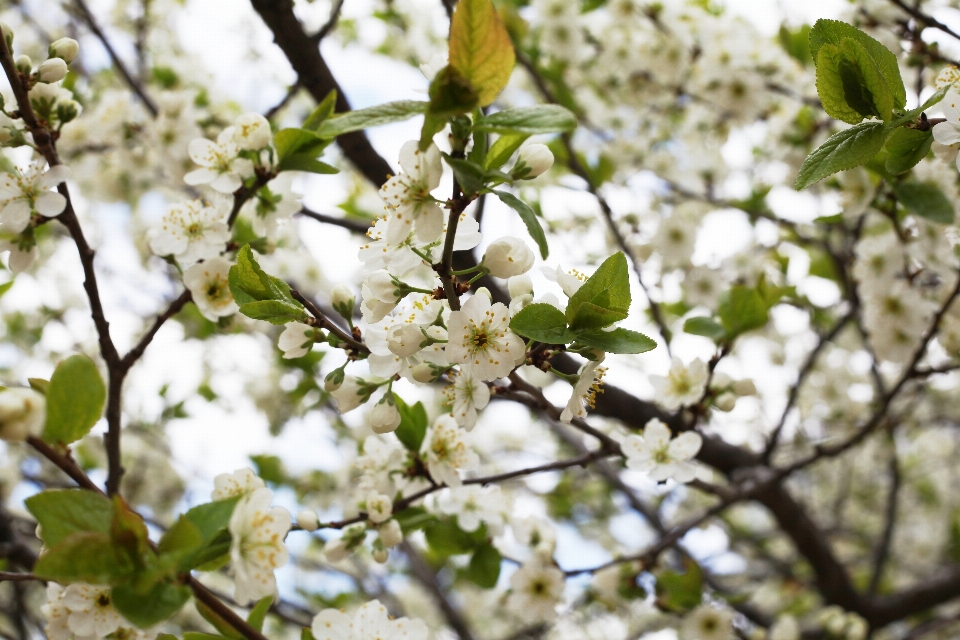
(409, 195)
(586, 390)
(445, 451)
(683, 385)
(369, 622)
(536, 588)
(91, 610)
(239, 483)
(192, 231)
(466, 395)
(29, 192)
(656, 454)
(221, 168)
(480, 336)
(256, 548)
(475, 505)
(208, 284)
(707, 623)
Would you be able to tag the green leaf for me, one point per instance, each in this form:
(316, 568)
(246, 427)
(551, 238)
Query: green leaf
(834, 32)
(181, 540)
(370, 117)
(543, 323)
(530, 219)
(911, 116)
(322, 113)
(833, 86)
(926, 200)
(470, 177)
(259, 613)
(63, 512)
(39, 385)
(291, 142)
(863, 81)
(274, 311)
(742, 309)
(432, 125)
(501, 150)
(906, 148)
(218, 623)
(447, 539)
(484, 567)
(680, 592)
(480, 48)
(196, 635)
(604, 298)
(87, 556)
(543, 118)
(307, 163)
(843, 150)
(703, 326)
(796, 43)
(270, 468)
(211, 517)
(451, 94)
(147, 609)
(413, 518)
(413, 424)
(249, 283)
(74, 400)
(617, 341)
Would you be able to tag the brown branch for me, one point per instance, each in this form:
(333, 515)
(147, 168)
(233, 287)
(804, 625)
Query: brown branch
(132, 82)
(325, 323)
(137, 351)
(315, 76)
(330, 24)
(883, 549)
(12, 576)
(357, 226)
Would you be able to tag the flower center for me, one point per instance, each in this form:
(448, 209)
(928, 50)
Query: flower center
(103, 600)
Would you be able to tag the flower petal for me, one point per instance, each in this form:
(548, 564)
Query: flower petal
(656, 434)
(51, 203)
(685, 446)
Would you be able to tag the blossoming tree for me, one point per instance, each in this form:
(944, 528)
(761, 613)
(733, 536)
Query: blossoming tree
(594, 369)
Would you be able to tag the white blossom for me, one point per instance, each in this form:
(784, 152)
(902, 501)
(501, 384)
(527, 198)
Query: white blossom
(210, 289)
(948, 133)
(466, 395)
(683, 385)
(239, 483)
(296, 340)
(23, 413)
(663, 458)
(26, 193)
(474, 505)
(252, 132)
(256, 548)
(192, 231)
(64, 48)
(379, 507)
(384, 417)
(586, 390)
(307, 520)
(508, 257)
(369, 622)
(480, 336)
(707, 623)
(221, 167)
(445, 451)
(349, 395)
(52, 70)
(271, 206)
(409, 195)
(391, 534)
(91, 610)
(536, 589)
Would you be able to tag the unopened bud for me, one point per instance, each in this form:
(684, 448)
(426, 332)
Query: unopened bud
(381, 555)
(65, 48)
(24, 64)
(52, 70)
(744, 388)
(725, 402)
(252, 132)
(391, 534)
(384, 417)
(67, 110)
(308, 521)
(7, 35)
(534, 160)
(520, 285)
(508, 257)
(424, 373)
(336, 550)
(333, 380)
(343, 300)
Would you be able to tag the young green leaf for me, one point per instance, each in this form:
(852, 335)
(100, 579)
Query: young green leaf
(63, 512)
(616, 341)
(322, 113)
(447, 539)
(370, 117)
(289, 142)
(530, 219)
(833, 86)
(742, 309)
(863, 81)
(543, 118)
(906, 148)
(413, 424)
(274, 311)
(87, 556)
(480, 48)
(307, 163)
(706, 327)
(484, 567)
(156, 605)
(604, 298)
(926, 200)
(259, 613)
(834, 32)
(75, 400)
(451, 94)
(680, 592)
(543, 323)
(911, 116)
(250, 283)
(504, 147)
(470, 177)
(841, 151)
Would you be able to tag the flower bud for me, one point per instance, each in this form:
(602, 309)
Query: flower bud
(64, 48)
(349, 395)
(437, 333)
(785, 628)
(534, 160)
(333, 380)
(23, 413)
(520, 286)
(68, 110)
(404, 340)
(424, 373)
(381, 285)
(252, 132)
(720, 381)
(52, 70)
(725, 402)
(24, 64)
(7, 34)
(379, 507)
(308, 521)
(381, 555)
(391, 534)
(384, 418)
(336, 550)
(343, 300)
(744, 388)
(508, 257)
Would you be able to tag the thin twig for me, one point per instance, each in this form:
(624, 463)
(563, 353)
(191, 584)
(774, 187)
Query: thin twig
(331, 22)
(325, 323)
(137, 351)
(357, 226)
